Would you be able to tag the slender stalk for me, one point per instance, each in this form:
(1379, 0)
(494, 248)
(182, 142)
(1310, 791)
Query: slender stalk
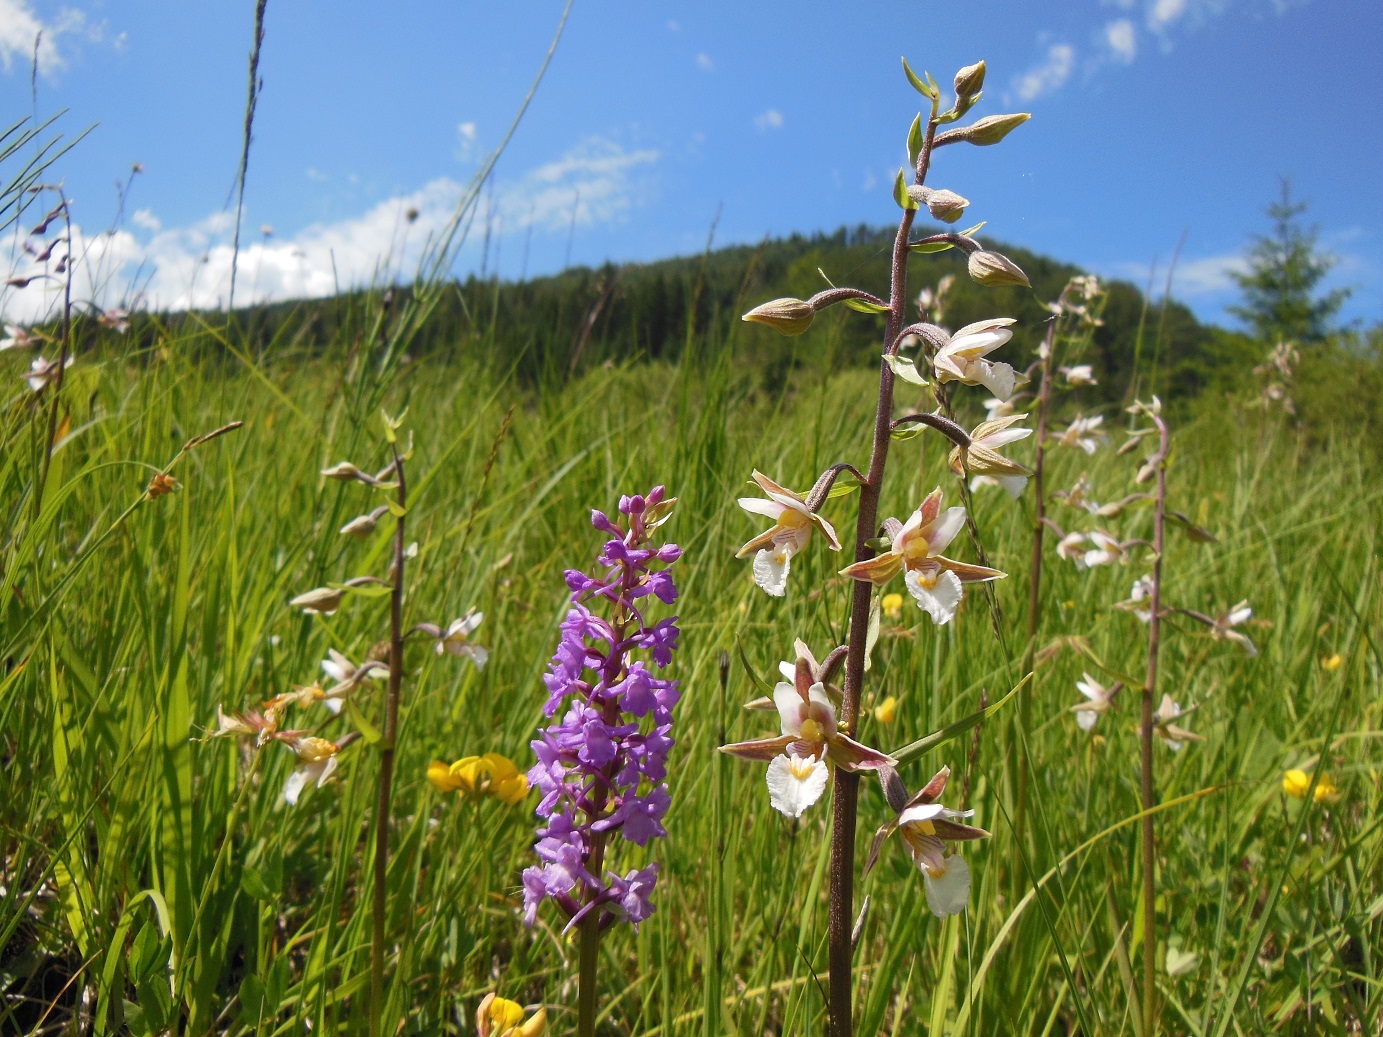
(1146, 743)
(1039, 524)
(386, 761)
(64, 351)
(845, 802)
(589, 927)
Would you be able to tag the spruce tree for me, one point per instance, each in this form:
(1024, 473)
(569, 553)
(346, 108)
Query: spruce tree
(1281, 303)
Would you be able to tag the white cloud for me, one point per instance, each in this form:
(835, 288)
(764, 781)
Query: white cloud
(769, 120)
(1163, 13)
(465, 141)
(704, 62)
(1122, 40)
(1200, 278)
(177, 268)
(21, 28)
(673, 25)
(1047, 77)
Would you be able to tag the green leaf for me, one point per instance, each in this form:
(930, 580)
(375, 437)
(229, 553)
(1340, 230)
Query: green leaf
(368, 731)
(251, 1001)
(929, 92)
(865, 306)
(900, 192)
(157, 1003)
(915, 140)
(844, 485)
(1198, 534)
(970, 232)
(904, 368)
(905, 432)
(145, 956)
(879, 544)
(253, 882)
(928, 247)
(754, 678)
(365, 590)
(950, 732)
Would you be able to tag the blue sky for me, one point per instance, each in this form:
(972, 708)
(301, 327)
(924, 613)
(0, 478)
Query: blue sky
(1152, 119)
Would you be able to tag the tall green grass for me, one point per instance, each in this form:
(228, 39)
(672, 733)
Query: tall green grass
(152, 878)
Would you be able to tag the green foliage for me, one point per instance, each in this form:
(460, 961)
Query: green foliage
(1280, 287)
(152, 878)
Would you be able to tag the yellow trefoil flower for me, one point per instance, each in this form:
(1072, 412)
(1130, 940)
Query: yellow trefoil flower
(1332, 662)
(887, 710)
(474, 776)
(500, 1017)
(1295, 783)
(893, 605)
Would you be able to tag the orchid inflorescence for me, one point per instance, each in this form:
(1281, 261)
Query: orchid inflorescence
(818, 738)
(602, 767)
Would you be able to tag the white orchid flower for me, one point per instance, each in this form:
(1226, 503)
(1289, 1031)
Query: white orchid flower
(962, 358)
(1082, 433)
(793, 523)
(316, 763)
(934, 581)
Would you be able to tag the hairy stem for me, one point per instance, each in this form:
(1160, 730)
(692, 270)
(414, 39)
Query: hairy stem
(386, 761)
(1146, 745)
(842, 873)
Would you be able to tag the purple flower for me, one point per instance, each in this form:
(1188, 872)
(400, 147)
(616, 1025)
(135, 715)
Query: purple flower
(602, 767)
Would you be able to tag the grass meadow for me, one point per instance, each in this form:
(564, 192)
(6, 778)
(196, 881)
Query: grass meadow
(154, 880)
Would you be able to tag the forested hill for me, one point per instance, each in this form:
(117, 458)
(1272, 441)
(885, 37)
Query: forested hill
(586, 316)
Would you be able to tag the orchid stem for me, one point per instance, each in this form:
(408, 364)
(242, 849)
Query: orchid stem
(386, 761)
(842, 870)
(1146, 745)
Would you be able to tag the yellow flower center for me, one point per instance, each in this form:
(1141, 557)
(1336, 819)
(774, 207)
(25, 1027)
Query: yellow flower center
(801, 767)
(812, 731)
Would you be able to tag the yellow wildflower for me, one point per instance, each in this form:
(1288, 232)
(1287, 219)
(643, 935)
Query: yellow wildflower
(1295, 783)
(887, 710)
(478, 775)
(500, 1017)
(1332, 662)
(1326, 792)
(893, 605)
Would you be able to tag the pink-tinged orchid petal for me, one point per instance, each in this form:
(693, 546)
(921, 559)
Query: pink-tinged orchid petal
(845, 752)
(791, 706)
(758, 748)
(967, 572)
(938, 533)
(878, 570)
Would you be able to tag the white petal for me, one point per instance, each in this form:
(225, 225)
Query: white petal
(1086, 718)
(788, 670)
(334, 704)
(789, 705)
(1091, 688)
(1004, 437)
(921, 812)
(1014, 485)
(997, 378)
(480, 656)
(1238, 616)
(949, 892)
(945, 529)
(328, 769)
(758, 506)
(941, 600)
(795, 783)
(297, 781)
(771, 569)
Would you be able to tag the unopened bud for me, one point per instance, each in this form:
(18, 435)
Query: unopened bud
(324, 600)
(343, 471)
(989, 130)
(996, 271)
(946, 206)
(786, 316)
(970, 81)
